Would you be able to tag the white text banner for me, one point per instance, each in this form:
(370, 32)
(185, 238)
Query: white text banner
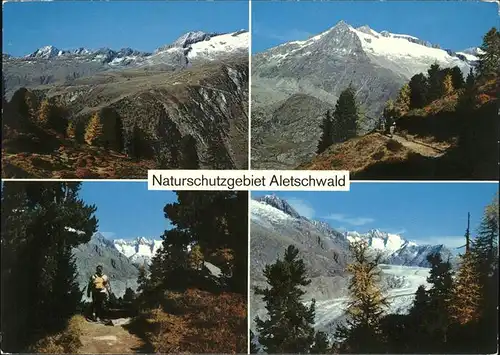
(255, 180)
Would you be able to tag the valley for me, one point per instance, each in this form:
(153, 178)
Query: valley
(185, 105)
(297, 84)
(275, 224)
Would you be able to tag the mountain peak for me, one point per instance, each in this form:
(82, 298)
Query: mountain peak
(280, 204)
(45, 52)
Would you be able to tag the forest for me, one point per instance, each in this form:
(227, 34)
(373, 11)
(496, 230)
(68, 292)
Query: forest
(179, 305)
(457, 314)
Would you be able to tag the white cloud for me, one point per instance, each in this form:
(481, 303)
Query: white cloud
(449, 241)
(302, 207)
(354, 221)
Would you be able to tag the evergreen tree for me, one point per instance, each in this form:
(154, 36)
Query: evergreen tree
(327, 133)
(418, 91)
(36, 248)
(435, 81)
(129, 295)
(366, 305)
(345, 116)
(457, 78)
(440, 294)
(189, 155)
(485, 251)
(254, 349)
(94, 130)
(489, 60)
(321, 344)
(289, 328)
(448, 88)
(213, 220)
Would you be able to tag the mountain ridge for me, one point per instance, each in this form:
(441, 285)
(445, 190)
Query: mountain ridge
(286, 132)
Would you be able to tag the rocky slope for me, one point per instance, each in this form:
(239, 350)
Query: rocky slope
(286, 131)
(99, 250)
(51, 65)
(275, 225)
(196, 87)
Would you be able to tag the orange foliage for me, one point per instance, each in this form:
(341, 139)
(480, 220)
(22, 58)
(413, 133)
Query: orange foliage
(203, 323)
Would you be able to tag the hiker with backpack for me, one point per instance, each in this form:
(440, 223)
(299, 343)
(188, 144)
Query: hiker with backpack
(99, 288)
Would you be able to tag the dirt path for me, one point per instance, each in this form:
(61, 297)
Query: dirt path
(420, 148)
(107, 339)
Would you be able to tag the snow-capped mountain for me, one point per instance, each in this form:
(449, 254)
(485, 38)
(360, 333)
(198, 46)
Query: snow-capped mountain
(191, 46)
(101, 251)
(140, 250)
(398, 251)
(275, 225)
(271, 211)
(295, 83)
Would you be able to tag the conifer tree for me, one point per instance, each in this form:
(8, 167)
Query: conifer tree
(71, 131)
(390, 113)
(94, 130)
(189, 155)
(321, 344)
(289, 328)
(366, 302)
(466, 296)
(44, 113)
(457, 78)
(254, 349)
(448, 88)
(36, 248)
(435, 80)
(440, 294)
(485, 251)
(345, 116)
(196, 257)
(418, 91)
(327, 133)
(403, 100)
(489, 60)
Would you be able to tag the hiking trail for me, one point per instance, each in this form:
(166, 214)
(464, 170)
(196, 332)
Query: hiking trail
(98, 338)
(420, 148)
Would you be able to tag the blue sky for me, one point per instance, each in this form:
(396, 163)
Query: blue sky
(141, 25)
(128, 209)
(422, 212)
(451, 24)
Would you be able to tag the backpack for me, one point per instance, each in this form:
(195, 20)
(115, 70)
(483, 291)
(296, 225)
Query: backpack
(98, 282)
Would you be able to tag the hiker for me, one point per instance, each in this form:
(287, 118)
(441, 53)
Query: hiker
(392, 128)
(99, 288)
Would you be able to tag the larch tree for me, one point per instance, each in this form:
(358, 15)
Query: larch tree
(94, 130)
(448, 88)
(367, 302)
(466, 293)
(403, 100)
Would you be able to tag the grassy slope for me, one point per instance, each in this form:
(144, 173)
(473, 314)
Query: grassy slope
(436, 125)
